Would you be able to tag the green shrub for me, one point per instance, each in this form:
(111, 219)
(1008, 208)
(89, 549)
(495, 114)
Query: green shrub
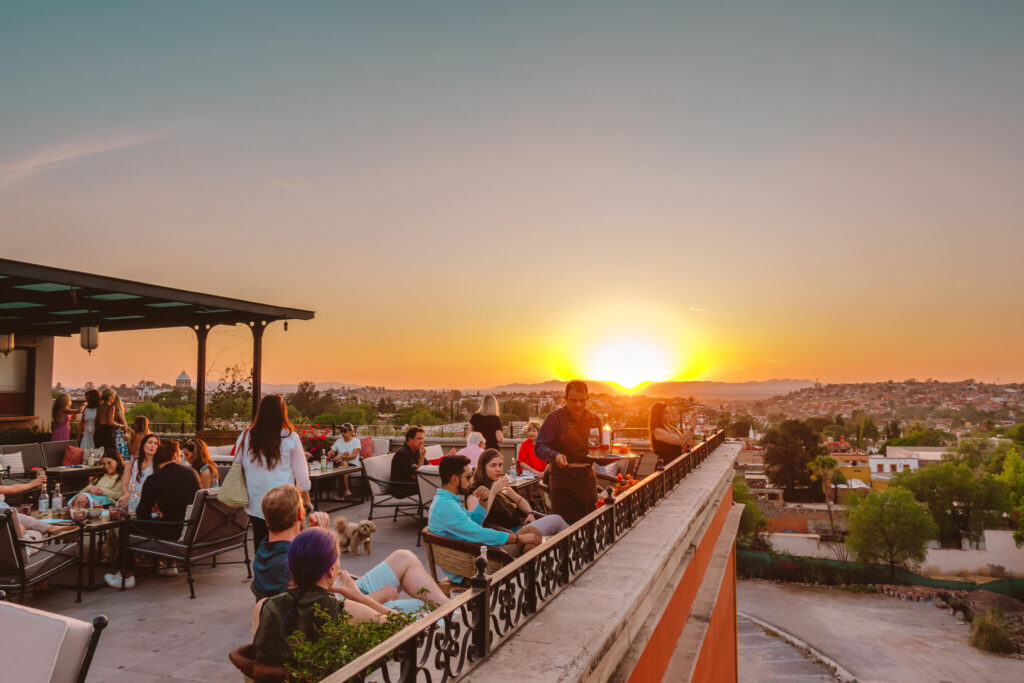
(341, 641)
(990, 632)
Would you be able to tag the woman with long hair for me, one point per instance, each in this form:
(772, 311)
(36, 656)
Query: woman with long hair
(109, 483)
(504, 506)
(141, 467)
(198, 456)
(106, 421)
(140, 428)
(486, 421)
(87, 426)
(313, 566)
(62, 414)
(667, 441)
(120, 429)
(271, 454)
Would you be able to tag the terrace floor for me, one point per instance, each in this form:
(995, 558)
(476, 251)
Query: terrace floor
(157, 633)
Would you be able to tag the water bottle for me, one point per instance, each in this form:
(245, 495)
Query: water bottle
(483, 552)
(133, 503)
(323, 461)
(44, 501)
(57, 502)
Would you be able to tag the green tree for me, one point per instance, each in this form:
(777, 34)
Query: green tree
(890, 527)
(788, 449)
(740, 427)
(753, 531)
(232, 396)
(514, 409)
(176, 397)
(961, 504)
(821, 469)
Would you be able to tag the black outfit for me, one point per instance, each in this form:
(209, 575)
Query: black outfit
(573, 488)
(286, 613)
(403, 468)
(173, 488)
(664, 450)
(488, 425)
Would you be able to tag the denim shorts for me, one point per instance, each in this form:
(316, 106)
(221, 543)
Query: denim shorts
(381, 576)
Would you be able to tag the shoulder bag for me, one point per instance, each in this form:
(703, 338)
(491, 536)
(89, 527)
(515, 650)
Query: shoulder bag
(233, 491)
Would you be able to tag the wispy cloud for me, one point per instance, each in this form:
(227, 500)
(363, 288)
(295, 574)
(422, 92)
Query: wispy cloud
(69, 154)
(698, 310)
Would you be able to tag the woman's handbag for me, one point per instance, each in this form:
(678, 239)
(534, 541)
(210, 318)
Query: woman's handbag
(233, 491)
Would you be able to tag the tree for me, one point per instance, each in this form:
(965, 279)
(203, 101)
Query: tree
(233, 396)
(821, 469)
(961, 504)
(740, 427)
(890, 527)
(1013, 475)
(753, 531)
(788, 449)
(514, 409)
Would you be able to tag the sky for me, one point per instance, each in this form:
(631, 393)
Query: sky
(469, 193)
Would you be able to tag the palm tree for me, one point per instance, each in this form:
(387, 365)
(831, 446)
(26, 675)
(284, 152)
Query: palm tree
(821, 469)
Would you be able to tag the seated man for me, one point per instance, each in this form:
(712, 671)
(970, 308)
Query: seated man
(474, 447)
(166, 494)
(449, 517)
(406, 461)
(378, 588)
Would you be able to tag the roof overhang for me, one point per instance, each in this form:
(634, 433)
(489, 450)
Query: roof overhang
(41, 300)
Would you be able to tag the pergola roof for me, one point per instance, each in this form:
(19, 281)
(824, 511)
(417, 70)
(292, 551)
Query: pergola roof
(40, 300)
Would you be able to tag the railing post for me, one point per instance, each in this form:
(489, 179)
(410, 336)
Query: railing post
(481, 609)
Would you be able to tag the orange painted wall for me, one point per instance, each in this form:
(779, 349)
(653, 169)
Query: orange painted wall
(717, 660)
(654, 660)
(794, 525)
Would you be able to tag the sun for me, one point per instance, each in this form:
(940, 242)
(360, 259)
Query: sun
(629, 363)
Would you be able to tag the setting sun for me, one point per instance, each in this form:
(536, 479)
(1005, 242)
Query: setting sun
(629, 363)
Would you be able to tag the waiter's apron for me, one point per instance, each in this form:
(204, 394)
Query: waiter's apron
(573, 488)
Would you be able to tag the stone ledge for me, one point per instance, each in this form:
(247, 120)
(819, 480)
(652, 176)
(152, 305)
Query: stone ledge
(610, 610)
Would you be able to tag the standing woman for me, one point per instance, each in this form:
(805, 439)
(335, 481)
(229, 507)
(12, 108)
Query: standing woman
(120, 427)
(199, 458)
(667, 441)
(486, 421)
(271, 454)
(142, 467)
(105, 422)
(62, 414)
(87, 427)
(140, 429)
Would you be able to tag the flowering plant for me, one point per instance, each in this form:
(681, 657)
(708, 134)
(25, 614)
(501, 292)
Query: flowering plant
(313, 437)
(622, 483)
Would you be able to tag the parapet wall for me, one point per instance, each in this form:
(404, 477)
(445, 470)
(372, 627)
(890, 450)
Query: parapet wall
(659, 604)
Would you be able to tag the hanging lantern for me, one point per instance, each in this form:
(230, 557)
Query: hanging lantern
(6, 343)
(90, 338)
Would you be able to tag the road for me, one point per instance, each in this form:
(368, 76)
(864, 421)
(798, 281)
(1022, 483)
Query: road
(875, 637)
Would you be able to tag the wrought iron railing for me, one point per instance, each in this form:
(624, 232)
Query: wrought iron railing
(453, 639)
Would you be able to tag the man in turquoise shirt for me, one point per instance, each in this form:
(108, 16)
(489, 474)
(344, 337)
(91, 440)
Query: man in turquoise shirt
(449, 517)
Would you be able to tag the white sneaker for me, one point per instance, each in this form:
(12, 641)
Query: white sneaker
(114, 581)
(167, 571)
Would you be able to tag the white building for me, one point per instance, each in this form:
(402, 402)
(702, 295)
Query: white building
(925, 455)
(147, 390)
(183, 381)
(884, 464)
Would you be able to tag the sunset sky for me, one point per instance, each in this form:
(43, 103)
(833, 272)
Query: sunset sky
(469, 194)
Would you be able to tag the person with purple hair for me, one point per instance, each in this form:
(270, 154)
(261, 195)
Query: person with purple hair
(313, 565)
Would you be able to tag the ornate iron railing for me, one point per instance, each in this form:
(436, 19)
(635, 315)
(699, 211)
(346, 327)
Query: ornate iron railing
(453, 639)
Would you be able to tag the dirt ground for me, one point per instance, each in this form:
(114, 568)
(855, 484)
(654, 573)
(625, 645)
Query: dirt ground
(875, 637)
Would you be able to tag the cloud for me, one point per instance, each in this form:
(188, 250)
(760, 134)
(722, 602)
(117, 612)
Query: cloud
(69, 154)
(697, 310)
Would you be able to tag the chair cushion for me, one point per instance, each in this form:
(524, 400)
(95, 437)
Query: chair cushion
(434, 454)
(53, 452)
(73, 455)
(381, 445)
(379, 467)
(12, 460)
(366, 447)
(30, 643)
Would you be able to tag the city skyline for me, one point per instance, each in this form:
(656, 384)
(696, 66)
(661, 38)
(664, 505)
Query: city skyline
(472, 196)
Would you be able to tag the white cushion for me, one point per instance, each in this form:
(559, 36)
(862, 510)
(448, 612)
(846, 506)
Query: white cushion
(434, 452)
(41, 646)
(378, 467)
(220, 450)
(14, 461)
(429, 481)
(381, 445)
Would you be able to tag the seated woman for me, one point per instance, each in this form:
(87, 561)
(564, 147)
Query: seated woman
(527, 457)
(313, 565)
(504, 506)
(106, 490)
(667, 441)
(198, 455)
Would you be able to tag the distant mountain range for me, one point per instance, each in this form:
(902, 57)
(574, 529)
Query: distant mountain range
(730, 391)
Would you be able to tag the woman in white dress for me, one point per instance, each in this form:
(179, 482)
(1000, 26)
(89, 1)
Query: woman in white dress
(271, 454)
(87, 426)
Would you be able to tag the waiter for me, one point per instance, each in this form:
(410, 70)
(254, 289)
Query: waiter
(562, 442)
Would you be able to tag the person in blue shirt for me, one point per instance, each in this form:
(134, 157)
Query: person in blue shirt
(450, 518)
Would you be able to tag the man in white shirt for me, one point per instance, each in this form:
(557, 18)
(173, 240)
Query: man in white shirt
(474, 447)
(345, 451)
